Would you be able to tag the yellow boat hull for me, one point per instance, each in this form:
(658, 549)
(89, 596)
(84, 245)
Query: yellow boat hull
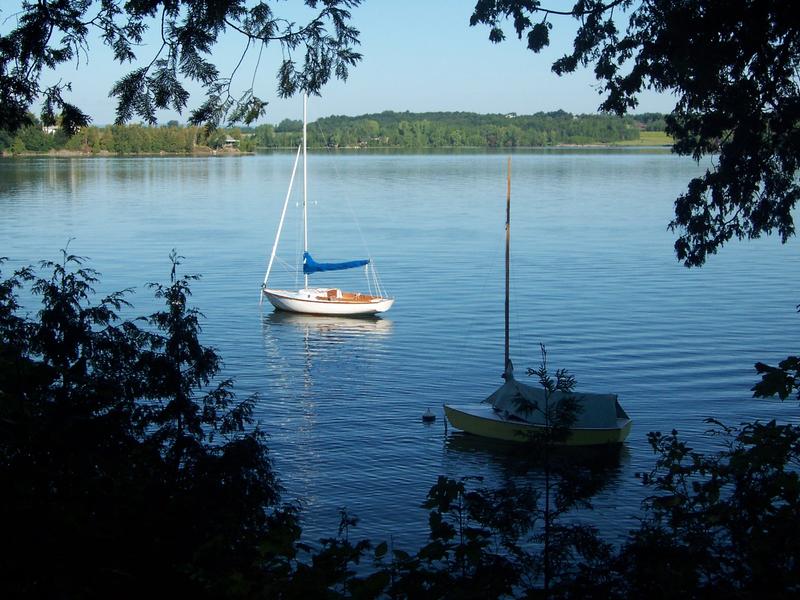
(482, 420)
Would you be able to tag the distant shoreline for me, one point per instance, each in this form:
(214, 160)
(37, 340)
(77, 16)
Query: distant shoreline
(387, 130)
(235, 152)
(62, 153)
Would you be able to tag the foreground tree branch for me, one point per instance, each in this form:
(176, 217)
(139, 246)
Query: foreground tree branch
(732, 66)
(52, 32)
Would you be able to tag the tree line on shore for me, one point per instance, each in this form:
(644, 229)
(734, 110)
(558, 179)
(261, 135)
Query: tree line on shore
(381, 130)
(171, 138)
(461, 129)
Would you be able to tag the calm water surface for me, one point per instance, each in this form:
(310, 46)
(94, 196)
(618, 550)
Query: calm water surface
(593, 278)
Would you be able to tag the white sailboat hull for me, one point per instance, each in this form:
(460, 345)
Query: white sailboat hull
(323, 301)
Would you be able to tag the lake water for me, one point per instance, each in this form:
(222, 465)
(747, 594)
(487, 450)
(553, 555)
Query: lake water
(594, 278)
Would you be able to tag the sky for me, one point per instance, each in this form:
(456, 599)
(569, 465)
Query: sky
(418, 56)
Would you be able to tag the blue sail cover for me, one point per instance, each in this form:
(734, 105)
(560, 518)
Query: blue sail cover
(311, 266)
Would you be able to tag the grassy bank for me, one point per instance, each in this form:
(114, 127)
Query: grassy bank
(647, 138)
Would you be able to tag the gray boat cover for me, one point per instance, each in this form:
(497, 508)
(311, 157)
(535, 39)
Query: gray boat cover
(596, 410)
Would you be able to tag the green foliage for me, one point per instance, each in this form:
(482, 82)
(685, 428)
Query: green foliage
(454, 129)
(723, 525)
(33, 139)
(5, 140)
(781, 381)
(289, 125)
(729, 521)
(558, 416)
(567, 483)
(52, 32)
(216, 139)
(474, 535)
(652, 121)
(732, 66)
(125, 466)
(128, 139)
(388, 129)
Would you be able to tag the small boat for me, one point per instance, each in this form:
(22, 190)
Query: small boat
(601, 421)
(503, 415)
(321, 300)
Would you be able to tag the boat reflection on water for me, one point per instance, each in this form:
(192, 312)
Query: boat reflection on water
(330, 324)
(317, 380)
(332, 350)
(458, 441)
(592, 470)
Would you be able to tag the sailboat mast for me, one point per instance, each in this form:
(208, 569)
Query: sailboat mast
(305, 183)
(508, 258)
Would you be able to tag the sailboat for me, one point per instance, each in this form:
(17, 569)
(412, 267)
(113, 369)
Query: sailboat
(321, 300)
(600, 419)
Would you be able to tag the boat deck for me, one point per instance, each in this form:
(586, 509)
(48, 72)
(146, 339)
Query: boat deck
(335, 295)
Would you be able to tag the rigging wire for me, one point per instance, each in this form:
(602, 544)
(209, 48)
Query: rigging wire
(379, 289)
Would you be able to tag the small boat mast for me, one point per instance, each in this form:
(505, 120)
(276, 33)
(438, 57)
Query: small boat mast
(507, 363)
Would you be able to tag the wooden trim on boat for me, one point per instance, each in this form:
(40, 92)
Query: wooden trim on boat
(332, 296)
